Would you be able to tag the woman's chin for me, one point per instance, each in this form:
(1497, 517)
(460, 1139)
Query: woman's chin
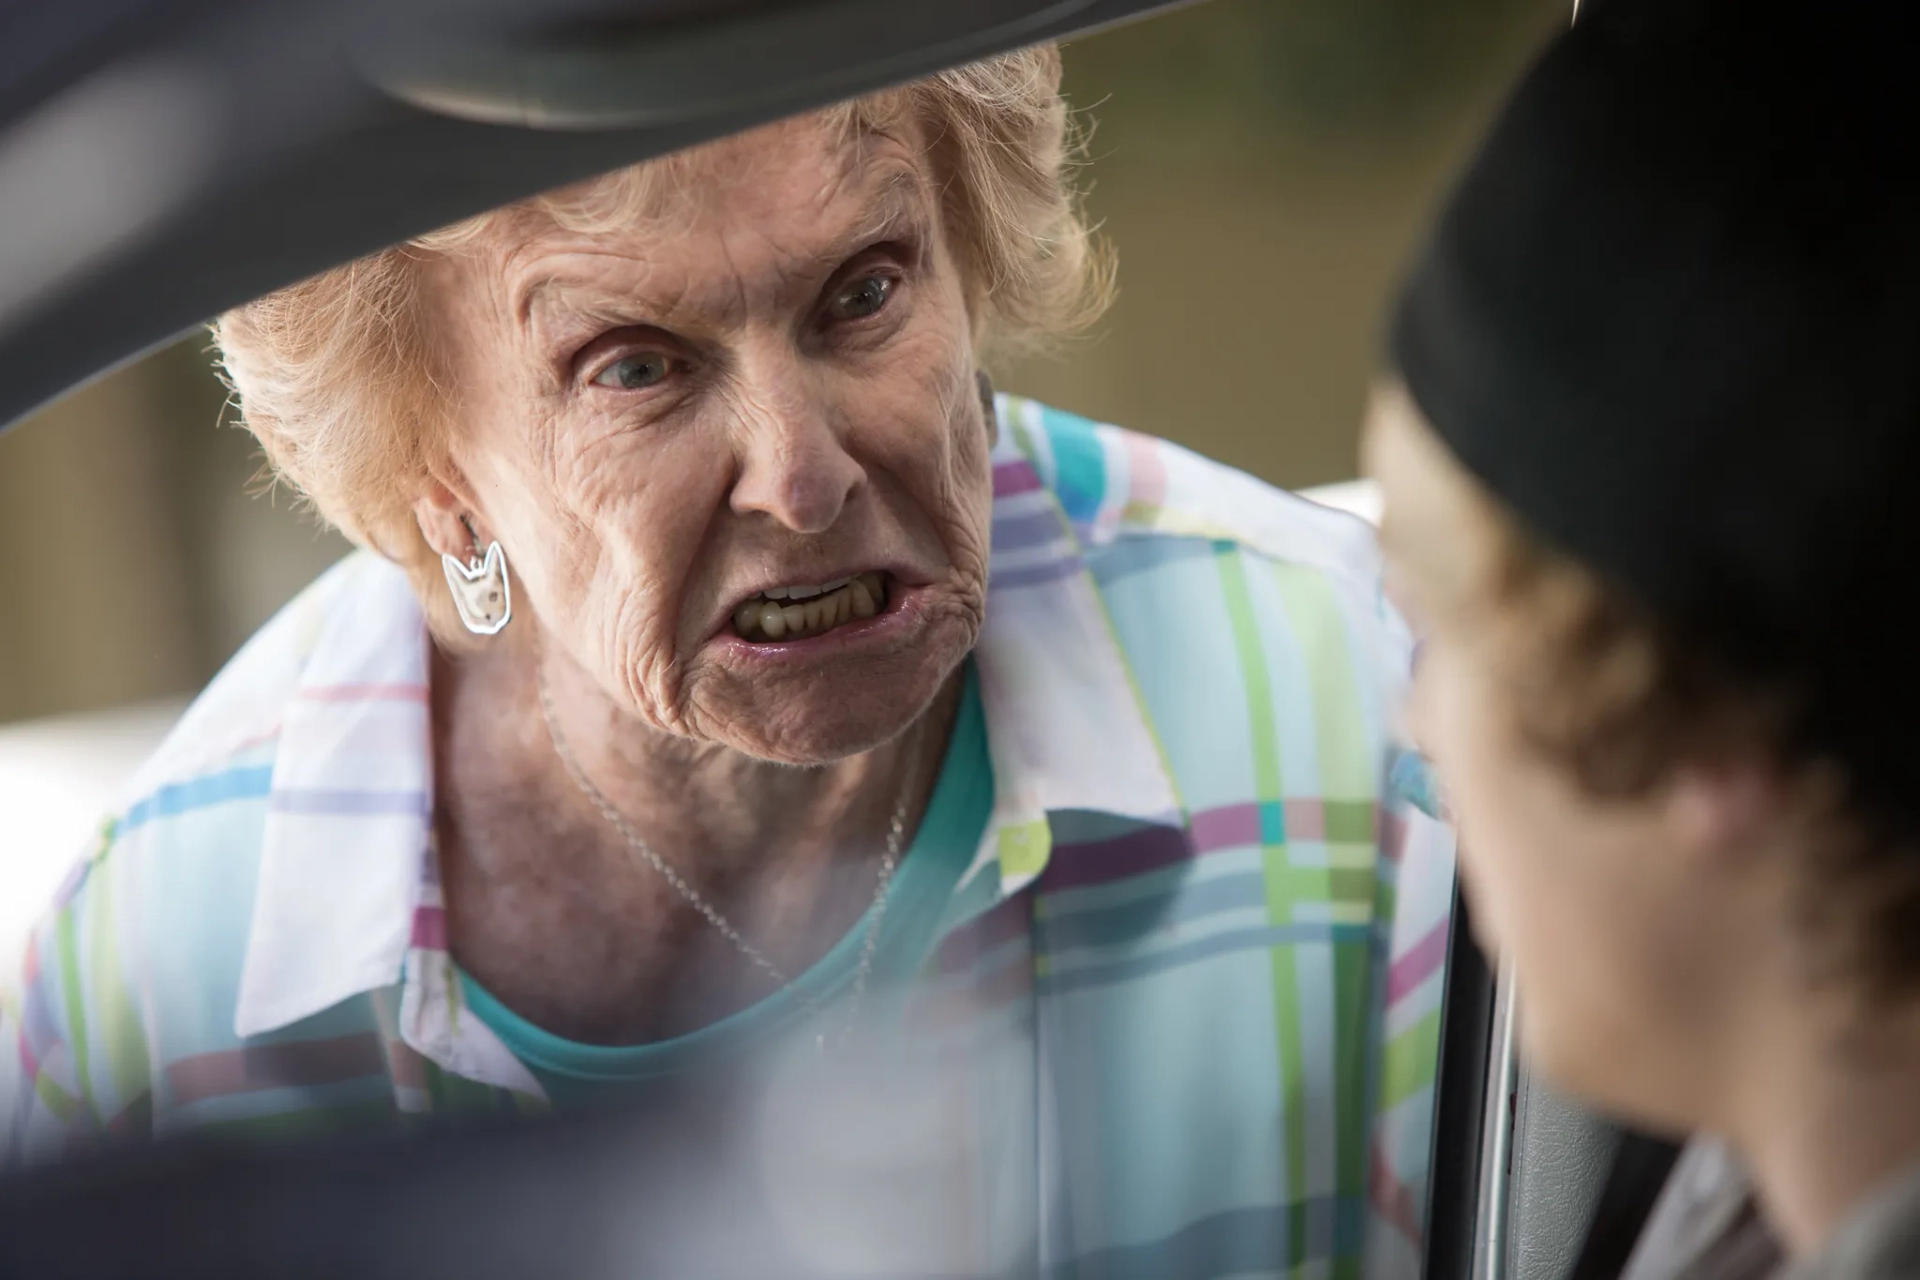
(835, 722)
(836, 710)
(823, 743)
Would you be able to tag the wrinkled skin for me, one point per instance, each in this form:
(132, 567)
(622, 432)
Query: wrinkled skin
(771, 383)
(782, 443)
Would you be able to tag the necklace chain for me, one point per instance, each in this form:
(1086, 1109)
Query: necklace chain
(876, 911)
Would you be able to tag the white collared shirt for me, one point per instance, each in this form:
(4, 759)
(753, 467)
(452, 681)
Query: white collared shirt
(1203, 898)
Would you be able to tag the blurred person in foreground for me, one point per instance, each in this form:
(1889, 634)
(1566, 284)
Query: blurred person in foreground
(726, 665)
(1649, 462)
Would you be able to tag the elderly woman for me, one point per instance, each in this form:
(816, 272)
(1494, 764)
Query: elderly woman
(723, 656)
(1649, 469)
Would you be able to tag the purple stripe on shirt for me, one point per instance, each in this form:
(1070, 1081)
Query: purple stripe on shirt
(348, 801)
(1237, 825)
(1227, 826)
(1036, 574)
(992, 928)
(1074, 866)
(1010, 478)
(1028, 529)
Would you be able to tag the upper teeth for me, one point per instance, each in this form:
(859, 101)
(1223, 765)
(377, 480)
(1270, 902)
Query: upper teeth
(804, 593)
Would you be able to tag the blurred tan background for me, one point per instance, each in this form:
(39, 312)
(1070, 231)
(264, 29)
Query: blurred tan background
(1260, 165)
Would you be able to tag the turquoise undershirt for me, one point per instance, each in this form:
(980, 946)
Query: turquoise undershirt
(576, 1074)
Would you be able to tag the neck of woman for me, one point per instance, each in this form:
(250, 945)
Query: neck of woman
(563, 918)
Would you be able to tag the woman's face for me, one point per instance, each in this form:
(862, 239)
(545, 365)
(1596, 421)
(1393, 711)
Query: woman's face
(682, 429)
(1624, 921)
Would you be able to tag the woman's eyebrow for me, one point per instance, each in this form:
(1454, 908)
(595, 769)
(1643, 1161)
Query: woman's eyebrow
(898, 207)
(542, 305)
(573, 294)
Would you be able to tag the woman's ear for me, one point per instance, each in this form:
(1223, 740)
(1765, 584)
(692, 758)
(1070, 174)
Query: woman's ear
(443, 521)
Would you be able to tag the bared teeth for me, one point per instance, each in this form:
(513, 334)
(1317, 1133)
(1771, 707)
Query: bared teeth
(781, 617)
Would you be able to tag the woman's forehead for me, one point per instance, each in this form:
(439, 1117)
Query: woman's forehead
(802, 165)
(785, 200)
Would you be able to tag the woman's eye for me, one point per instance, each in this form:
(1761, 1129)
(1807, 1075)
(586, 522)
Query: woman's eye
(861, 298)
(633, 373)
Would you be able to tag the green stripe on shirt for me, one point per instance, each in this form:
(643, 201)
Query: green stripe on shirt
(1263, 740)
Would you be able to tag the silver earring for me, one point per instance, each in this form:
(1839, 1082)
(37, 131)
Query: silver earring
(480, 591)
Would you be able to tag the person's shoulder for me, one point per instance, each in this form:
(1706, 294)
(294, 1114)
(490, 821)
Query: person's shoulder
(218, 758)
(183, 837)
(1116, 485)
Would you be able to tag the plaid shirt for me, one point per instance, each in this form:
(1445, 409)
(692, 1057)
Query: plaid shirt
(1210, 896)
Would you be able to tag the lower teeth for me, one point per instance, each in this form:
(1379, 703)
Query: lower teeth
(763, 620)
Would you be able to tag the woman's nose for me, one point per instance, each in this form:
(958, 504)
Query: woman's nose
(795, 467)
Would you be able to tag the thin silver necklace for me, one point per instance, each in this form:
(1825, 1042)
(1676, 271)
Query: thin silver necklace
(876, 911)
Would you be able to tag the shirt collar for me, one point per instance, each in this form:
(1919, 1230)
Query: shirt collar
(1065, 726)
(345, 849)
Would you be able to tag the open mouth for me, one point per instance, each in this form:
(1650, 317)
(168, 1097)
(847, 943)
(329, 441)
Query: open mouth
(802, 612)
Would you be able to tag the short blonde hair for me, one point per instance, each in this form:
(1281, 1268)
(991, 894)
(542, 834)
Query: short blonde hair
(335, 376)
